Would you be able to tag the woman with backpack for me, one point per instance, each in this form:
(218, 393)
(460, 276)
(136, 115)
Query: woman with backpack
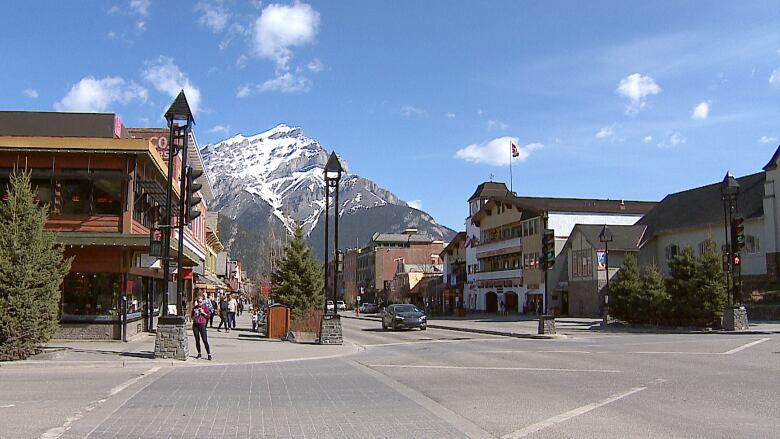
(200, 317)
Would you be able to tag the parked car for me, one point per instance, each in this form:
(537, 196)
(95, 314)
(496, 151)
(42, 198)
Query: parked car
(404, 316)
(342, 306)
(369, 308)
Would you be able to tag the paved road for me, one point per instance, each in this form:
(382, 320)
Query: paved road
(443, 384)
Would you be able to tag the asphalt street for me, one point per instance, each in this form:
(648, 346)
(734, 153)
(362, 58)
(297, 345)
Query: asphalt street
(426, 384)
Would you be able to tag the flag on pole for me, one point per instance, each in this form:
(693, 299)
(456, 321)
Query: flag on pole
(515, 151)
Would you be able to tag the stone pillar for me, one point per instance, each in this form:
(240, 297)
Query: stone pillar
(330, 330)
(546, 325)
(735, 318)
(171, 339)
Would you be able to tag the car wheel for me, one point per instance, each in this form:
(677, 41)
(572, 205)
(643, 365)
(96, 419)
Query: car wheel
(384, 326)
(423, 328)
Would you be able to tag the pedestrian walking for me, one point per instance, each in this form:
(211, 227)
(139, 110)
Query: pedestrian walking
(254, 320)
(240, 307)
(212, 309)
(224, 317)
(232, 308)
(200, 316)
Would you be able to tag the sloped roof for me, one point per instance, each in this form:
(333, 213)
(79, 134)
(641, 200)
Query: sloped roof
(458, 240)
(625, 238)
(703, 206)
(490, 189)
(401, 237)
(539, 205)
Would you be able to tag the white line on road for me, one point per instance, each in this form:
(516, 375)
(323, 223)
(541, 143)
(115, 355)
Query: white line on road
(398, 343)
(745, 346)
(56, 432)
(568, 415)
(7, 406)
(532, 369)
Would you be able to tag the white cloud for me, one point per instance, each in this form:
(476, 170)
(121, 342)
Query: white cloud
(166, 77)
(449, 115)
(495, 152)
(141, 26)
(480, 112)
(774, 78)
(244, 91)
(224, 130)
(286, 83)
(112, 35)
(496, 125)
(30, 93)
(315, 65)
(281, 28)
(140, 7)
(647, 139)
(767, 139)
(416, 204)
(214, 16)
(606, 132)
(673, 140)
(701, 111)
(636, 88)
(98, 95)
(411, 110)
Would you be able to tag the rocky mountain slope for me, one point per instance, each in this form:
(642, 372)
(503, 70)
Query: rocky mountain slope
(266, 183)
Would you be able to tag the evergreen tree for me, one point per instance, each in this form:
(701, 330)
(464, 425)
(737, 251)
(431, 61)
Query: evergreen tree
(655, 299)
(31, 272)
(297, 280)
(683, 288)
(711, 292)
(625, 291)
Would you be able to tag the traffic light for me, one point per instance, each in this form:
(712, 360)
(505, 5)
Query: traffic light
(548, 249)
(738, 228)
(192, 199)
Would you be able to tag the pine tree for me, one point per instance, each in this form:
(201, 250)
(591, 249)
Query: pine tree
(655, 299)
(297, 280)
(711, 291)
(624, 292)
(31, 272)
(683, 288)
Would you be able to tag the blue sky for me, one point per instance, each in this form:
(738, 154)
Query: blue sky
(621, 100)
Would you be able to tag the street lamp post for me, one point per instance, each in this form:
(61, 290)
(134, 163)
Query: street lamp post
(729, 190)
(606, 237)
(330, 328)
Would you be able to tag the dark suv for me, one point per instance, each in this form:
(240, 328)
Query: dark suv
(403, 316)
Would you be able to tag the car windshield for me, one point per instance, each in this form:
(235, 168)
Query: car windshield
(406, 308)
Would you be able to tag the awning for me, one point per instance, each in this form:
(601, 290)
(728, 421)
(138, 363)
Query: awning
(156, 191)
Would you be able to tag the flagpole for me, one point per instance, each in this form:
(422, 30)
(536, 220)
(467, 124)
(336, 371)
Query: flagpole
(511, 179)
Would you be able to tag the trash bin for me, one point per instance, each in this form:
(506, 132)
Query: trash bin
(277, 321)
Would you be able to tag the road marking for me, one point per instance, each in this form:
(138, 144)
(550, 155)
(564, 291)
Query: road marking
(568, 415)
(673, 352)
(531, 369)
(398, 343)
(745, 346)
(7, 406)
(56, 432)
(462, 424)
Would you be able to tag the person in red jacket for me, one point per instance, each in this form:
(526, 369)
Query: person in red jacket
(200, 317)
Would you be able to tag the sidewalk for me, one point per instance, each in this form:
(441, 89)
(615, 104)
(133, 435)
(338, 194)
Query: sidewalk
(527, 326)
(239, 346)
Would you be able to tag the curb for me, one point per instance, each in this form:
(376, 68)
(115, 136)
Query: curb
(478, 331)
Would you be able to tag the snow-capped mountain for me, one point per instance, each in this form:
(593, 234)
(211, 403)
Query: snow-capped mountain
(267, 183)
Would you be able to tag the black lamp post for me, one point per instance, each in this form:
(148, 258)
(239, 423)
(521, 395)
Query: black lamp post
(729, 190)
(606, 237)
(180, 120)
(333, 171)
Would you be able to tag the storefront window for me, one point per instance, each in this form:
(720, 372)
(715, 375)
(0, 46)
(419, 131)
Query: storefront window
(91, 295)
(76, 197)
(107, 194)
(42, 190)
(136, 296)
